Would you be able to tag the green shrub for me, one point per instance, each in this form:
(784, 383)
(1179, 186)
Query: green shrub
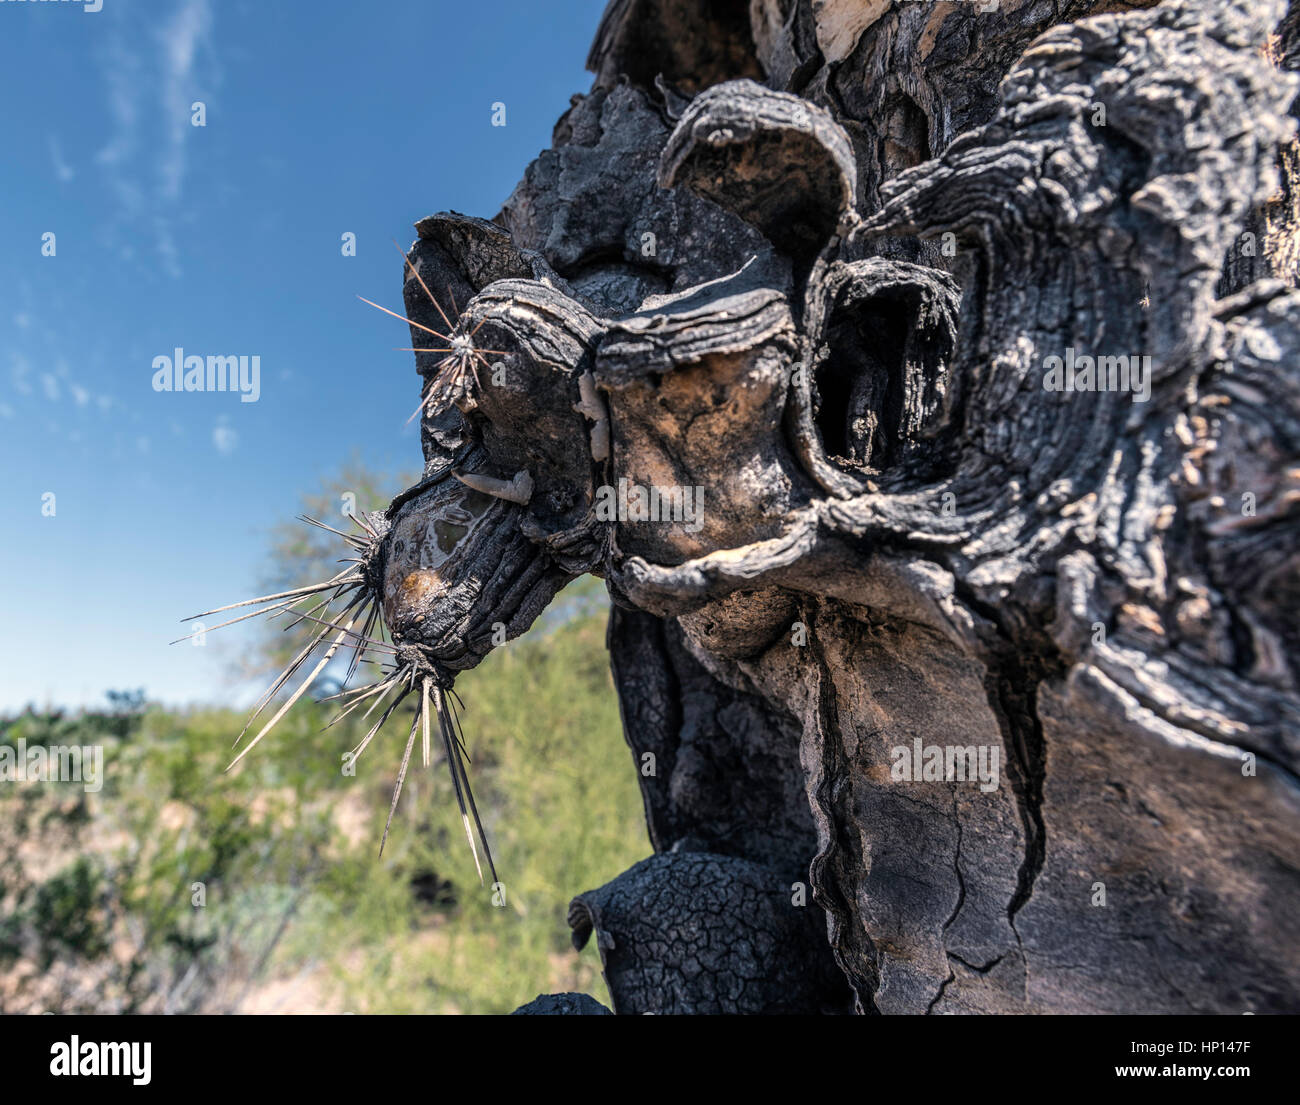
(183, 887)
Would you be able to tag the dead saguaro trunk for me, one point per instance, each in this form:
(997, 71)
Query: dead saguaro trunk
(924, 381)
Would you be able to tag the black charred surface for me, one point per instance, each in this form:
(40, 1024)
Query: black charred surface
(829, 303)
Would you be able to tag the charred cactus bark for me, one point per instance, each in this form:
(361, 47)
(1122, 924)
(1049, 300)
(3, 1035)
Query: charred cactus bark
(965, 657)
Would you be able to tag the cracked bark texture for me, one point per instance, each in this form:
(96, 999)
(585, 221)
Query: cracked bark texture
(562, 1005)
(693, 932)
(813, 256)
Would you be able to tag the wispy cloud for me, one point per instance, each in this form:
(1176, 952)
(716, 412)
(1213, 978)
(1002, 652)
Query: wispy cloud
(179, 39)
(123, 74)
(54, 385)
(151, 80)
(225, 438)
(63, 172)
(19, 370)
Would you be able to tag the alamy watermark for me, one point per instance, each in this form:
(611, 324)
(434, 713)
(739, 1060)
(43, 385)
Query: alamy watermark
(940, 763)
(86, 5)
(59, 763)
(196, 373)
(630, 502)
(984, 6)
(1081, 372)
(115, 1060)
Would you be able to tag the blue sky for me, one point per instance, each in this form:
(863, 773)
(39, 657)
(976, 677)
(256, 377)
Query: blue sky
(322, 118)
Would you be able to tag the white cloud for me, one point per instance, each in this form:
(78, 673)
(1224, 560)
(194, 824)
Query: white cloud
(179, 39)
(18, 373)
(63, 172)
(149, 95)
(224, 438)
(6, 411)
(123, 74)
(55, 385)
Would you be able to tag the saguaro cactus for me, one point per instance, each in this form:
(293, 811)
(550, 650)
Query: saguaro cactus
(971, 684)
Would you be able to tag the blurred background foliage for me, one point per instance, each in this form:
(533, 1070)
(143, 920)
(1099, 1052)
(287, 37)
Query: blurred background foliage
(179, 887)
